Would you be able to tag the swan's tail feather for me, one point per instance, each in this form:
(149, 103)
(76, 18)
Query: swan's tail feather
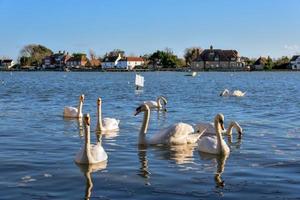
(193, 138)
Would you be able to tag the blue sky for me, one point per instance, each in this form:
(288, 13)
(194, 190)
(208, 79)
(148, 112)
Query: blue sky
(253, 27)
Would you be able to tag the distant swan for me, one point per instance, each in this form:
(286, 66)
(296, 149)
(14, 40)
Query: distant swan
(157, 104)
(71, 112)
(214, 144)
(106, 124)
(235, 93)
(178, 133)
(90, 153)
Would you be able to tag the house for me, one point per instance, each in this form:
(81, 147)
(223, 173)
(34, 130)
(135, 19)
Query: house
(260, 63)
(77, 61)
(6, 64)
(295, 62)
(110, 62)
(129, 63)
(218, 59)
(57, 60)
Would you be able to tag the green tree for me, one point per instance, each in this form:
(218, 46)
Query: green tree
(165, 59)
(269, 63)
(282, 63)
(33, 54)
(190, 54)
(115, 53)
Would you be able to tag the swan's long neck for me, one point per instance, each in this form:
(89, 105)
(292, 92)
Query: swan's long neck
(80, 109)
(99, 121)
(144, 128)
(87, 144)
(158, 100)
(229, 129)
(219, 136)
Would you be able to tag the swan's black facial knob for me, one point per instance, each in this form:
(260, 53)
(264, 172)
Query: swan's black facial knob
(138, 110)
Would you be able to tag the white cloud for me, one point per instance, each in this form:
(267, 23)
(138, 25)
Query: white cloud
(293, 47)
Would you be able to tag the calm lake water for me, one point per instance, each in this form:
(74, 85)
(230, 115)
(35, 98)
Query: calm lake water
(37, 146)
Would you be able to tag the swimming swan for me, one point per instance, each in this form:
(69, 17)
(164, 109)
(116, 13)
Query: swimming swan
(178, 133)
(210, 129)
(157, 104)
(106, 124)
(71, 112)
(214, 144)
(90, 153)
(235, 93)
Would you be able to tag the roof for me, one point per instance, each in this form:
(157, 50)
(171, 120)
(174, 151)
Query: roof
(260, 61)
(110, 59)
(6, 60)
(221, 55)
(133, 59)
(295, 57)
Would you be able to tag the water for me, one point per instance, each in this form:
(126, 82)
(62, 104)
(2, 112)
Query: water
(37, 146)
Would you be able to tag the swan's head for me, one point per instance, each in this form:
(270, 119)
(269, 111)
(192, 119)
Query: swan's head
(99, 101)
(87, 119)
(237, 127)
(224, 93)
(220, 119)
(81, 98)
(163, 99)
(141, 108)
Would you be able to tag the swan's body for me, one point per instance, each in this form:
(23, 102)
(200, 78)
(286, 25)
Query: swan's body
(157, 104)
(238, 93)
(72, 112)
(105, 124)
(214, 144)
(235, 93)
(90, 153)
(178, 133)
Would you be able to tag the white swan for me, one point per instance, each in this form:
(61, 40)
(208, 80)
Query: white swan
(178, 133)
(214, 144)
(71, 112)
(90, 153)
(210, 129)
(235, 93)
(157, 104)
(105, 124)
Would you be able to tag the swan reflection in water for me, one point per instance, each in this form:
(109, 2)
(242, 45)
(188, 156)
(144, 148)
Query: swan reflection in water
(144, 171)
(221, 161)
(87, 170)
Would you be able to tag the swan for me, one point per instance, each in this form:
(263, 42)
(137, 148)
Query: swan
(71, 112)
(178, 133)
(90, 153)
(210, 129)
(157, 104)
(105, 124)
(215, 144)
(235, 93)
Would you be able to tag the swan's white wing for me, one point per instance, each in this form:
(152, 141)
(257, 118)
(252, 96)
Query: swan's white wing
(70, 112)
(238, 93)
(207, 127)
(208, 144)
(81, 157)
(98, 153)
(110, 123)
(151, 104)
(174, 134)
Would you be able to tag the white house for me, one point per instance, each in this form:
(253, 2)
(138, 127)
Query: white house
(6, 63)
(110, 62)
(295, 62)
(128, 63)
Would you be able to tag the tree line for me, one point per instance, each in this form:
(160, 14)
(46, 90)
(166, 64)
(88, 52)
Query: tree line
(33, 55)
